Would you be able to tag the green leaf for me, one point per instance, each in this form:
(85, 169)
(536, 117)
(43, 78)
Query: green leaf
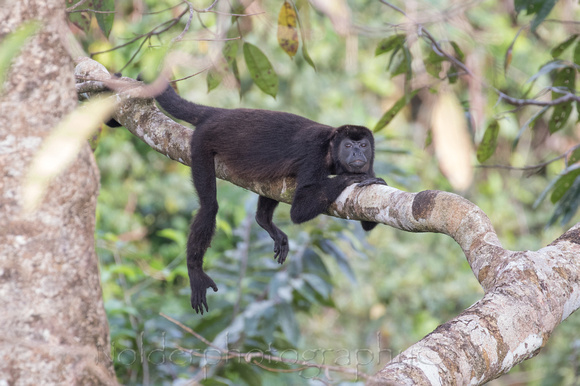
(319, 285)
(547, 68)
(543, 12)
(560, 48)
(574, 157)
(530, 122)
(458, 53)
(433, 64)
(80, 19)
(214, 78)
(389, 44)
(488, 143)
(568, 204)
(453, 74)
(236, 72)
(247, 373)
(332, 250)
(393, 111)
(544, 193)
(307, 57)
(428, 139)
(559, 116)
(576, 56)
(173, 235)
(404, 66)
(563, 184)
(11, 45)
(261, 69)
(105, 20)
(288, 322)
(305, 54)
(564, 79)
(541, 8)
(393, 55)
(230, 51)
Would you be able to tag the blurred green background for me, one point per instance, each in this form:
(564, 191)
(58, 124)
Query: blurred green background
(343, 297)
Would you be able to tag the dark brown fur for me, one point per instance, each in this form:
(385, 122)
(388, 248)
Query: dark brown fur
(262, 145)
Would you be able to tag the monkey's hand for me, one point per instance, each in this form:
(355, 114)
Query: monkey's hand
(372, 181)
(281, 247)
(199, 282)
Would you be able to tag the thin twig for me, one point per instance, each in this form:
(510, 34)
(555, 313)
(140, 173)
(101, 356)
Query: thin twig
(190, 76)
(208, 9)
(89, 10)
(562, 21)
(533, 167)
(70, 9)
(198, 336)
(187, 25)
(154, 32)
(394, 7)
(163, 10)
(211, 39)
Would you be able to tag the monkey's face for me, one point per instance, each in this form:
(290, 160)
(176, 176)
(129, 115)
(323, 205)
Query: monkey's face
(355, 156)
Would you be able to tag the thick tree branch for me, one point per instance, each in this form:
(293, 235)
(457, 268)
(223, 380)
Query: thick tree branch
(527, 294)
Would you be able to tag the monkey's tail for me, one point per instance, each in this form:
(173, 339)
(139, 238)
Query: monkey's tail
(180, 108)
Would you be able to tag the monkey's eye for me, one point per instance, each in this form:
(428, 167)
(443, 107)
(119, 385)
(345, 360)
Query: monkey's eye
(363, 145)
(347, 145)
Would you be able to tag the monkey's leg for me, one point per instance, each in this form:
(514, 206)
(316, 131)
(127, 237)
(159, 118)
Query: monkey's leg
(264, 214)
(203, 226)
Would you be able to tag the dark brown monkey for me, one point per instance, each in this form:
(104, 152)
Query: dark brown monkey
(262, 145)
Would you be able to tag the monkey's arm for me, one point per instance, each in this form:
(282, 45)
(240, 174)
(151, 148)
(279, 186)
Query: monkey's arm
(313, 198)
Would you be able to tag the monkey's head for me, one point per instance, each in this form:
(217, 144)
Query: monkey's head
(352, 149)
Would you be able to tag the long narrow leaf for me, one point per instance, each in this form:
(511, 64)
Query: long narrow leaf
(489, 142)
(261, 69)
(393, 111)
(527, 124)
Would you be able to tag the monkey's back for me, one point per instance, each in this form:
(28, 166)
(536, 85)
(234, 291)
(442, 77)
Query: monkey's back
(262, 144)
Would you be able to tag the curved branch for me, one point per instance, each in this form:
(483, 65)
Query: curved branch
(527, 294)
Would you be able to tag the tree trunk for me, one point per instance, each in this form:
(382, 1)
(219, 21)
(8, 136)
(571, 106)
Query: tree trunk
(54, 327)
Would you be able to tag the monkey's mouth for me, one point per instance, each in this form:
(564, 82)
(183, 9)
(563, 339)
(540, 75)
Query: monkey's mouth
(357, 164)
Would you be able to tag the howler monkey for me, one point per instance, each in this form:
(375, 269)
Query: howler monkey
(261, 145)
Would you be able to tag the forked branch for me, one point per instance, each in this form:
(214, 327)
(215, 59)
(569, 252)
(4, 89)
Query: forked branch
(527, 294)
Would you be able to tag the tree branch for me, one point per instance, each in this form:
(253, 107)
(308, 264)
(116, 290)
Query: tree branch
(527, 294)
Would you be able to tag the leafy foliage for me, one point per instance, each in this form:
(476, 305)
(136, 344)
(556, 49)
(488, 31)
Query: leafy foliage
(541, 8)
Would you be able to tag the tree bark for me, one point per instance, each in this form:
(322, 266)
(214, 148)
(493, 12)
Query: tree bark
(527, 293)
(54, 327)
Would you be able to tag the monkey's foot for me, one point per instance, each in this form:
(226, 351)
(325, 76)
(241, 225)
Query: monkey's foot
(199, 283)
(372, 181)
(281, 247)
